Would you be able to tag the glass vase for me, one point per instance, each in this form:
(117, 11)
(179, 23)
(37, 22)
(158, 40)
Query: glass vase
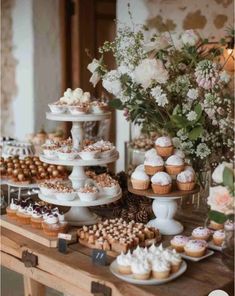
(228, 249)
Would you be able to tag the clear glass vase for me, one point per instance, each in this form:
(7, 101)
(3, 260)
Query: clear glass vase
(228, 249)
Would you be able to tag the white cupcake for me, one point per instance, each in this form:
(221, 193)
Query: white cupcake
(140, 180)
(179, 153)
(140, 168)
(88, 193)
(150, 153)
(124, 263)
(161, 183)
(185, 180)
(164, 146)
(141, 269)
(174, 165)
(174, 258)
(161, 268)
(153, 164)
(67, 153)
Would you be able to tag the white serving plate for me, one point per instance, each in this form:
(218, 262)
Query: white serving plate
(212, 246)
(196, 259)
(130, 279)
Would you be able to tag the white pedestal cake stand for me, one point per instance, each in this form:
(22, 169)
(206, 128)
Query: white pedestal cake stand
(79, 213)
(164, 208)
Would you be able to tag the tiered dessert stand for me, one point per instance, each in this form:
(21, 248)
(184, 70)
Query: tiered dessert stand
(79, 213)
(164, 208)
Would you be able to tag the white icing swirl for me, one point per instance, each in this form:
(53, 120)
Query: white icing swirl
(174, 160)
(185, 176)
(196, 244)
(13, 206)
(140, 168)
(51, 219)
(179, 153)
(219, 234)
(163, 141)
(201, 231)
(150, 153)
(161, 265)
(124, 259)
(140, 266)
(154, 161)
(161, 178)
(140, 175)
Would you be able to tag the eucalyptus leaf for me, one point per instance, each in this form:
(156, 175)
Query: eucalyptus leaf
(218, 217)
(198, 110)
(179, 121)
(195, 133)
(116, 104)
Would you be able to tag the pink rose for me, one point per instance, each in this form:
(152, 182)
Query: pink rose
(220, 199)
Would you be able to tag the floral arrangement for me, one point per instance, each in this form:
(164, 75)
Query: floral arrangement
(173, 85)
(221, 197)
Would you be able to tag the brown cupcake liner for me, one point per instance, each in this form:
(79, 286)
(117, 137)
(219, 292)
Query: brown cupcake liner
(151, 170)
(140, 184)
(164, 151)
(174, 169)
(23, 219)
(195, 253)
(161, 189)
(185, 186)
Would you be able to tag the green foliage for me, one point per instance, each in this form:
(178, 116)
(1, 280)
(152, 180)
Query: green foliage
(228, 179)
(116, 104)
(195, 133)
(218, 217)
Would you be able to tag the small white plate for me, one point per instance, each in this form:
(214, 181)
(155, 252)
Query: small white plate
(212, 246)
(130, 279)
(196, 259)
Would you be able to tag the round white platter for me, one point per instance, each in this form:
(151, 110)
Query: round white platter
(130, 279)
(78, 203)
(33, 185)
(80, 162)
(78, 118)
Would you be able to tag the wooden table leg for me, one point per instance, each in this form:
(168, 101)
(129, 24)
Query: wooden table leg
(33, 288)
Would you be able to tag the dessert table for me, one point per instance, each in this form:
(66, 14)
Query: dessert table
(75, 274)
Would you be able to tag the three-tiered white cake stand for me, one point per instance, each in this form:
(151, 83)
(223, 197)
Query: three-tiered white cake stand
(79, 214)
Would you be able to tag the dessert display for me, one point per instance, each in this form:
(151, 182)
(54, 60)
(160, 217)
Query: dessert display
(218, 237)
(88, 193)
(145, 263)
(65, 192)
(17, 148)
(174, 165)
(186, 180)
(117, 235)
(195, 248)
(140, 180)
(29, 170)
(215, 226)
(12, 209)
(229, 225)
(77, 102)
(153, 164)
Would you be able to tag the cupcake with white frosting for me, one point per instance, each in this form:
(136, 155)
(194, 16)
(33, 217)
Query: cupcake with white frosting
(202, 233)
(124, 263)
(150, 153)
(37, 218)
(174, 258)
(161, 183)
(140, 180)
(179, 153)
(161, 268)
(185, 180)
(218, 237)
(178, 242)
(164, 146)
(153, 164)
(174, 165)
(195, 248)
(140, 167)
(12, 209)
(52, 226)
(141, 269)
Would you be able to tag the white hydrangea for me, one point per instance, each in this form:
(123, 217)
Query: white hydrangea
(224, 76)
(202, 150)
(189, 37)
(111, 82)
(150, 70)
(159, 96)
(192, 115)
(192, 94)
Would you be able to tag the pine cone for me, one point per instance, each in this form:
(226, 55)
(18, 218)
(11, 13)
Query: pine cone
(142, 216)
(131, 216)
(117, 211)
(147, 207)
(124, 214)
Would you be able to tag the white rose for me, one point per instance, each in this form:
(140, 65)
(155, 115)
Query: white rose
(189, 37)
(217, 175)
(93, 66)
(95, 78)
(150, 70)
(111, 82)
(160, 42)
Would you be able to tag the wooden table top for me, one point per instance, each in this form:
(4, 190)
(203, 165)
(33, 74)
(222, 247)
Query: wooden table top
(73, 272)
